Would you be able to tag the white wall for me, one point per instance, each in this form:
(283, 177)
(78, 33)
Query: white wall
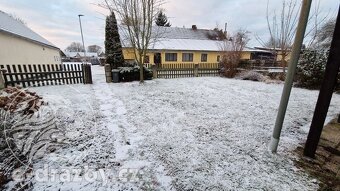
(17, 51)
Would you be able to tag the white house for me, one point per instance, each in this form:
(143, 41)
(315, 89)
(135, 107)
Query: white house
(20, 45)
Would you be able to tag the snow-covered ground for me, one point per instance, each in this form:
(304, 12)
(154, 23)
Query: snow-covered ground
(207, 133)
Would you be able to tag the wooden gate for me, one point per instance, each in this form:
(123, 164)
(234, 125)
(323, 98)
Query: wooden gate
(46, 74)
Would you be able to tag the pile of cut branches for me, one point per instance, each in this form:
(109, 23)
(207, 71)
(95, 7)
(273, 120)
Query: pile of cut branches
(16, 106)
(14, 99)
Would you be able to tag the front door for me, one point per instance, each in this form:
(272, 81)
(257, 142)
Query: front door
(158, 59)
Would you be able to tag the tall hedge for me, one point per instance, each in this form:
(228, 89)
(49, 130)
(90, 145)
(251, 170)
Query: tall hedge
(311, 69)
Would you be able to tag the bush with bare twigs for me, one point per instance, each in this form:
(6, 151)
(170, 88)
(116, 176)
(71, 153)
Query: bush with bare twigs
(251, 75)
(231, 50)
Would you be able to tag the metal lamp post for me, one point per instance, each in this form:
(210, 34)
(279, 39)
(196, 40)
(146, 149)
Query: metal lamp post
(300, 32)
(82, 37)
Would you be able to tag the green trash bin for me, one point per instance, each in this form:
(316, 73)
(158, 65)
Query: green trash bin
(115, 76)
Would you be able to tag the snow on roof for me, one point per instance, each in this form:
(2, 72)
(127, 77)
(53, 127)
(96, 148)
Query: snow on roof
(77, 54)
(187, 44)
(71, 54)
(267, 49)
(176, 33)
(256, 50)
(184, 33)
(174, 38)
(10, 25)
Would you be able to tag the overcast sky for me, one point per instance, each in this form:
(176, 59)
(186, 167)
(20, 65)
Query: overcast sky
(57, 20)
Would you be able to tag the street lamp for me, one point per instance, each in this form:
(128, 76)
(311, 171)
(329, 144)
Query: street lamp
(82, 37)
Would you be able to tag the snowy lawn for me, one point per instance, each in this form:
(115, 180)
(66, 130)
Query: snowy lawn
(206, 133)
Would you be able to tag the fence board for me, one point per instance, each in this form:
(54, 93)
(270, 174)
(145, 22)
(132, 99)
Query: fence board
(44, 76)
(10, 77)
(35, 76)
(21, 75)
(81, 79)
(72, 74)
(26, 75)
(50, 76)
(15, 77)
(62, 74)
(42, 81)
(69, 74)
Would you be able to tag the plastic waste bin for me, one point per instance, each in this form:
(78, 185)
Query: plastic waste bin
(115, 76)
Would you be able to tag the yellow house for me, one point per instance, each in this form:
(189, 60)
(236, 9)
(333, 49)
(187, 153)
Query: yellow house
(20, 45)
(184, 45)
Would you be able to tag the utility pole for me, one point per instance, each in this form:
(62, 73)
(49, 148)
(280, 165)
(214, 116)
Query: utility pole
(225, 29)
(82, 37)
(325, 95)
(300, 32)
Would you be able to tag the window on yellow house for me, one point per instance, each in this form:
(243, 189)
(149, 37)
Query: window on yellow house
(187, 57)
(170, 57)
(147, 59)
(218, 58)
(204, 57)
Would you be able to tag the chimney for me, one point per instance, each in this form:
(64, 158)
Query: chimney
(225, 30)
(194, 27)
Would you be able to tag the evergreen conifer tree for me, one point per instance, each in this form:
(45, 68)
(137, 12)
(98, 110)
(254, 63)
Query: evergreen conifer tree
(113, 46)
(162, 20)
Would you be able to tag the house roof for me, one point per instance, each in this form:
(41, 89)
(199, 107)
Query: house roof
(177, 33)
(185, 33)
(80, 54)
(256, 50)
(72, 54)
(195, 45)
(187, 39)
(187, 44)
(12, 26)
(175, 38)
(270, 49)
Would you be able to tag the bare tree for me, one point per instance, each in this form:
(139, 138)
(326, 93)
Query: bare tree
(139, 15)
(231, 50)
(75, 47)
(94, 48)
(282, 28)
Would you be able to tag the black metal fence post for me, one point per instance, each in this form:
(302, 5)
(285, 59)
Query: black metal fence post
(326, 92)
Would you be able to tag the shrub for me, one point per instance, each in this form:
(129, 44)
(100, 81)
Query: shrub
(131, 73)
(251, 75)
(228, 68)
(311, 69)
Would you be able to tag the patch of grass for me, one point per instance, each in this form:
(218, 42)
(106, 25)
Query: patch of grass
(326, 165)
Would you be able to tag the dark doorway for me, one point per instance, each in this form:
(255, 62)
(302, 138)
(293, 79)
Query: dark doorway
(158, 59)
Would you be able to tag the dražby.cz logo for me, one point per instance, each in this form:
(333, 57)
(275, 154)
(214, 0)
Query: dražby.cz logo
(84, 174)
